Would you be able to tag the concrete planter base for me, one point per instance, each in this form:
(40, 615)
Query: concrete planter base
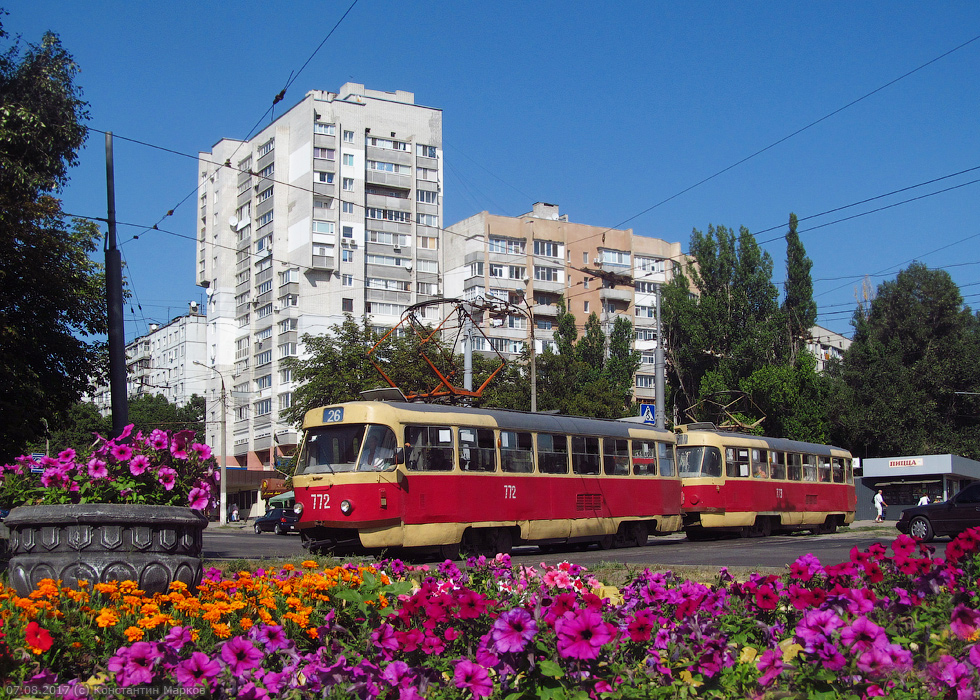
(99, 542)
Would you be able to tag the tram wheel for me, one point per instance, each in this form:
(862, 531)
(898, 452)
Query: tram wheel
(449, 551)
(607, 542)
(503, 541)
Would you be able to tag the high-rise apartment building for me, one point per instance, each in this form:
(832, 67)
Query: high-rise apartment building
(334, 208)
(541, 256)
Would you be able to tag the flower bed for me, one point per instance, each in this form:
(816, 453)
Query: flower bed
(897, 625)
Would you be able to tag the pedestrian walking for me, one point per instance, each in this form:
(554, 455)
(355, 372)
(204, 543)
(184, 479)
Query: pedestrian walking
(880, 507)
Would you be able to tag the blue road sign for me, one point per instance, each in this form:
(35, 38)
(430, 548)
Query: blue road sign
(649, 413)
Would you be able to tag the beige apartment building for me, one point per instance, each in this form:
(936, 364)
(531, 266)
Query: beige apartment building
(333, 208)
(541, 256)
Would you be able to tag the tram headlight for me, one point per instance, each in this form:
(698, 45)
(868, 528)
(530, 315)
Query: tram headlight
(298, 509)
(346, 507)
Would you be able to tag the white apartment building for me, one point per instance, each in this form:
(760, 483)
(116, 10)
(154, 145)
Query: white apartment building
(334, 208)
(541, 256)
(826, 345)
(163, 362)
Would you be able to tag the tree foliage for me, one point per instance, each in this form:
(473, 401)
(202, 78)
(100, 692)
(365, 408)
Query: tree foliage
(51, 292)
(799, 308)
(895, 390)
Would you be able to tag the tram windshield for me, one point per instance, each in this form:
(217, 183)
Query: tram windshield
(346, 448)
(697, 461)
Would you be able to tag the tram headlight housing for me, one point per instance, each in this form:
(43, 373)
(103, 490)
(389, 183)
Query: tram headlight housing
(298, 509)
(346, 507)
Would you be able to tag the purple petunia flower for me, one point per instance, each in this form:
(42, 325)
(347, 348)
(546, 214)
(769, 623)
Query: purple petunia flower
(271, 637)
(167, 477)
(513, 630)
(863, 634)
(134, 665)
(472, 677)
(138, 464)
(177, 637)
(240, 655)
(198, 499)
(97, 468)
(964, 621)
(203, 451)
(581, 633)
(816, 627)
(121, 453)
(771, 665)
(197, 670)
(395, 672)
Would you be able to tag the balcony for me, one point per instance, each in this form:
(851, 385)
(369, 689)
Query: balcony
(614, 294)
(379, 177)
(323, 262)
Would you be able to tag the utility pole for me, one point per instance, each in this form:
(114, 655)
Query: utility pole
(223, 499)
(114, 299)
(658, 367)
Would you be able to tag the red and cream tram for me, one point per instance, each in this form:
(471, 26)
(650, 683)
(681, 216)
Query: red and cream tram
(732, 482)
(375, 475)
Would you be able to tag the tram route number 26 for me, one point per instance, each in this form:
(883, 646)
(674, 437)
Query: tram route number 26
(510, 491)
(320, 501)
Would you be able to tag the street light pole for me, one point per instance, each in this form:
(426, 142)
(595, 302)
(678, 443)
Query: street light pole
(223, 486)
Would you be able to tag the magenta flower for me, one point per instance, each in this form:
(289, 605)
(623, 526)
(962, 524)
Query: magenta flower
(203, 451)
(863, 634)
(167, 477)
(384, 637)
(472, 677)
(581, 633)
(121, 453)
(395, 672)
(178, 446)
(197, 670)
(134, 666)
(67, 456)
(640, 628)
(513, 630)
(97, 468)
(270, 637)
(138, 464)
(198, 498)
(964, 621)
(817, 626)
(771, 665)
(240, 655)
(158, 440)
(177, 637)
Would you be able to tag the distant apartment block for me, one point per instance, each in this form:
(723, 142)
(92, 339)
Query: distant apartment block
(542, 256)
(826, 345)
(334, 208)
(162, 362)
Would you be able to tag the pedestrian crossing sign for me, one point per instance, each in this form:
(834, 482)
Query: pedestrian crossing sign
(649, 413)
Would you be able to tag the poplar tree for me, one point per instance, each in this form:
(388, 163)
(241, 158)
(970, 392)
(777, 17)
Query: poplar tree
(799, 308)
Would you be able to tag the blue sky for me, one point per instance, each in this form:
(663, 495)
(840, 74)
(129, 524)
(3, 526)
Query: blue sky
(610, 110)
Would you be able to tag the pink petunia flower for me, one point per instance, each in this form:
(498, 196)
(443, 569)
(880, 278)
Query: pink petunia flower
(513, 630)
(97, 468)
(581, 633)
(121, 453)
(473, 677)
(240, 655)
(203, 451)
(167, 477)
(138, 464)
(158, 440)
(197, 670)
(198, 499)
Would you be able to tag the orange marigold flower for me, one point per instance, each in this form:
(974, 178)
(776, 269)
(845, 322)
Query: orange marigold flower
(312, 633)
(133, 634)
(309, 564)
(245, 623)
(178, 586)
(221, 630)
(107, 617)
(288, 567)
(265, 616)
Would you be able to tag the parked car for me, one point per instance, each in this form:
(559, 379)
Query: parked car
(951, 517)
(278, 520)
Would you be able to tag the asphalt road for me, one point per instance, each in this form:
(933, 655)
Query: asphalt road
(778, 551)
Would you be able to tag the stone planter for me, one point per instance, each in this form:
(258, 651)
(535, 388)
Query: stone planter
(100, 542)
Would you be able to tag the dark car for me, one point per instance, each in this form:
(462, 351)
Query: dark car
(278, 520)
(951, 517)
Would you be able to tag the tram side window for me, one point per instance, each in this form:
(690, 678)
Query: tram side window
(615, 456)
(778, 464)
(849, 471)
(823, 469)
(838, 470)
(516, 453)
(552, 454)
(736, 462)
(794, 467)
(585, 455)
(712, 462)
(809, 467)
(429, 448)
(760, 464)
(645, 457)
(477, 451)
(666, 454)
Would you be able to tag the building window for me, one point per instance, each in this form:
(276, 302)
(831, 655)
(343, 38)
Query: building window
(241, 413)
(646, 311)
(386, 144)
(285, 376)
(649, 264)
(476, 269)
(506, 245)
(496, 270)
(264, 194)
(383, 283)
(347, 255)
(428, 266)
(347, 280)
(288, 324)
(428, 174)
(585, 306)
(325, 227)
(285, 400)
(263, 382)
(265, 219)
(388, 214)
(348, 232)
(429, 288)
(264, 311)
(268, 171)
(389, 260)
(646, 333)
(347, 305)
(428, 242)
(347, 207)
(349, 136)
(646, 287)
(264, 287)
(385, 309)
(287, 276)
(427, 197)
(288, 300)
(323, 204)
(348, 159)
(325, 153)
(644, 381)
(428, 219)
(263, 407)
(328, 129)
(287, 350)
(348, 184)
(425, 151)
(242, 321)
(617, 258)
(547, 274)
(548, 249)
(323, 176)
(386, 167)
(263, 358)
(267, 147)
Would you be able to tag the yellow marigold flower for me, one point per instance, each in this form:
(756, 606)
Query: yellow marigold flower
(133, 634)
(195, 633)
(221, 630)
(107, 618)
(309, 564)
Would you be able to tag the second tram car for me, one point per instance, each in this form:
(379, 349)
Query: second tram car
(377, 475)
(753, 486)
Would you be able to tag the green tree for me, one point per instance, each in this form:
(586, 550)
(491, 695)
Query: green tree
(799, 308)
(75, 428)
(721, 324)
(51, 292)
(895, 389)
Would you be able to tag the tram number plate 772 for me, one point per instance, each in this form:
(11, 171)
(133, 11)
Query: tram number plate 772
(510, 491)
(320, 501)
